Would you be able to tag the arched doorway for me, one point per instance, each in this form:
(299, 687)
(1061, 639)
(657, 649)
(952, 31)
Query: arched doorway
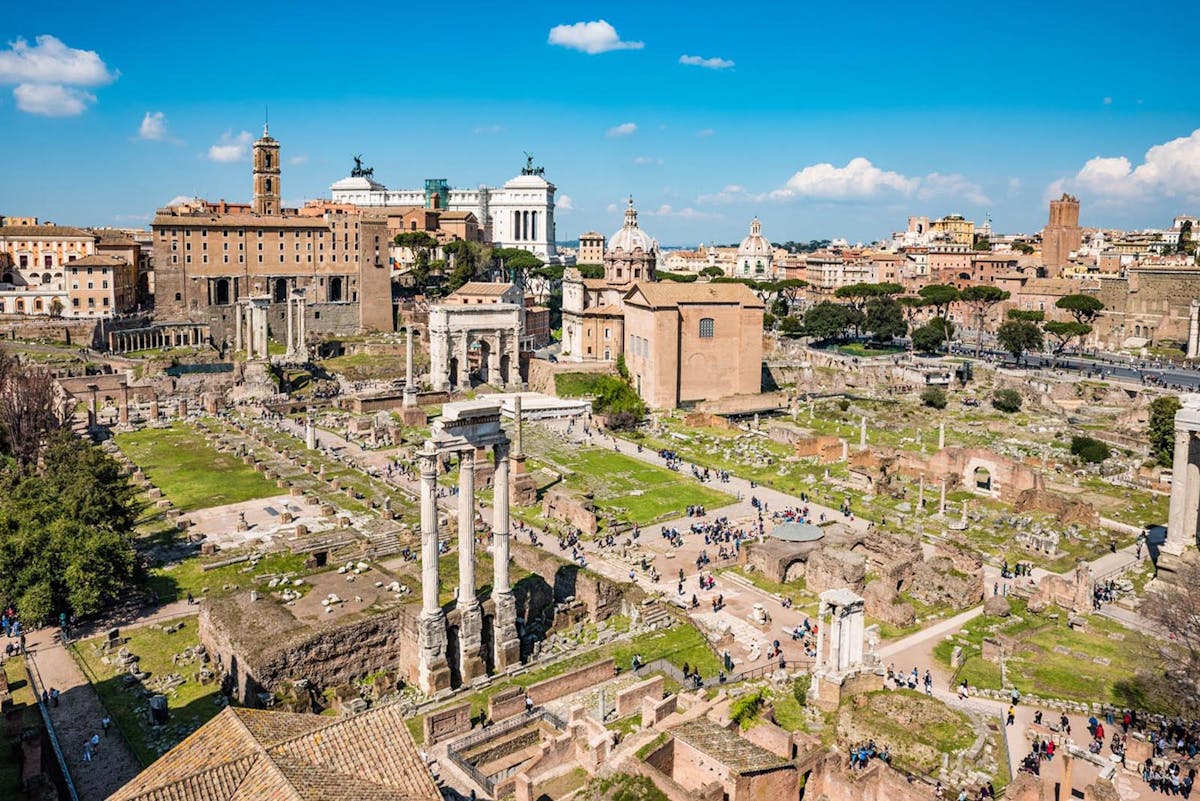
(221, 292)
(982, 478)
(279, 291)
(485, 354)
(505, 365)
(336, 289)
(453, 367)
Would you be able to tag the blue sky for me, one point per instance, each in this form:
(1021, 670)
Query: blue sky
(824, 119)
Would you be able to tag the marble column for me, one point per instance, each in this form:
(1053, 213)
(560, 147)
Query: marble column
(862, 433)
(493, 364)
(820, 661)
(123, 412)
(504, 628)
(410, 389)
(518, 424)
(942, 499)
(464, 362)
(237, 326)
(310, 433)
(470, 626)
(941, 436)
(291, 345)
(433, 672)
(1193, 346)
(921, 495)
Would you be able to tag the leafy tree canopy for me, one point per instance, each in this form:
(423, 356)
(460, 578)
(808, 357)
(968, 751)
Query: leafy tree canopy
(1084, 308)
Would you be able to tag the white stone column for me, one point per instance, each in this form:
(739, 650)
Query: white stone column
(291, 345)
(493, 365)
(1191, 509)
(466, 528)
(820, 637)
(429, 534)
(942, 499)
(500, 521)
(464, 362)
(941, 436)
(410, 389)
(1177, 511)
(237, 326)
(1193, 348)
(836, 639)
(857, 627)
(862, 433)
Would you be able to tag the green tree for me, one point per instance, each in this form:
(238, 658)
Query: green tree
(1185, 244)
(981, 298)
(711, 272)
(1084, 308)
(827, 320)
(933, 335)
(622, 368)
(1028, 315)
(1161, 428)
(981, 243)
(1019, 336)
(1064, 332)
(64, 533)
(885, 318)
(1089, 449)
(940, 296)
(768, 321)
(934, 397)
(1007, 400)
(790, 326)
(591, 270)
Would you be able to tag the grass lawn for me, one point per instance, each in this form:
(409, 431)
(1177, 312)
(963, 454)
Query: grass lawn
(189, 472)
(942, 730)
(1051, 659)
(365, 366)
(573, 385)
(191, 704)
(24, 713)
(174, 581)
(628, 488)
(868, 349)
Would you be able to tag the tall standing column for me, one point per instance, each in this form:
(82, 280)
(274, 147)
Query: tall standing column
(470, 625)
(862, 433)
(1193, 350)
(941, 436)
(819, 663)
(410, 389)
(433, 672)
(291, 344)
(1177, 511)
(464, 363)
(507, 651)
(237, 326)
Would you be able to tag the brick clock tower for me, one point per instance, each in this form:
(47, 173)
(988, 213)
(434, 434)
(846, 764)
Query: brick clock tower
(266, 175)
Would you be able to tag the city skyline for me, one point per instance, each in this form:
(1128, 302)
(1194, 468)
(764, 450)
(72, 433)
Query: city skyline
(708, 119)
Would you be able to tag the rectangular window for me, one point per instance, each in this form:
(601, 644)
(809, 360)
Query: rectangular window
(706, 327)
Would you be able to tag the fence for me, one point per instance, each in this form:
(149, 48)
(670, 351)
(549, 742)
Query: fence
(666, 668)
(35, 676)
(455, 749)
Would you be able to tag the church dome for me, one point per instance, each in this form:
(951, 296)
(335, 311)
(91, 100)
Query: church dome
(631, 237)
(755, 246)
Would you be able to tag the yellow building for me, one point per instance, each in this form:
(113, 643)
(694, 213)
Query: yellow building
(954, 228)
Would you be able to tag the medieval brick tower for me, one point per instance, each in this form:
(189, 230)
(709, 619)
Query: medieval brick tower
(1062, 235)
(266, 175)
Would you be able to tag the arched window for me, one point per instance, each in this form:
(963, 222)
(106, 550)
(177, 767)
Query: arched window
(268, 184)
(267, 163)
(706, 327)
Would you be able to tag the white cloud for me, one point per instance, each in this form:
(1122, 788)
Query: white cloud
(624, 129)
(564, 203)
(954, 185)
(667, 210)
(52, 62)
(1108, 101)
(612, 208)
(590, 37)
(153, 127)
(231, 148)
(1014, 186)
(705, 132)
(52, 100)
(301, 159)
(178, 199)
(646, 160)
(858, 180)
(48, 75)
(1171, 169)
(708, 63)
(489, 129)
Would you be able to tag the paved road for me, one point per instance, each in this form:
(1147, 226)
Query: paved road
(1137, 371)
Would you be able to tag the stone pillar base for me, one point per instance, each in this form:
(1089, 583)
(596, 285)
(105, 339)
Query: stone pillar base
(414, 416)
(522, 488)
(470, 642)
(433, 671)
(504, 632)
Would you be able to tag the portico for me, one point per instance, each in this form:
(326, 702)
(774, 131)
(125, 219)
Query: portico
(463, 430)
(1183, 518)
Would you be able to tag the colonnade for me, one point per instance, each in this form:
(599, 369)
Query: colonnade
(525, 226)
(841, 613)
(250, 326)
(433, 659)
(158, 336)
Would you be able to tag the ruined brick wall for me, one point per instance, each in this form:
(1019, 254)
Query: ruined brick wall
(830, 780)
(602, 597)
(447, 723)
(630, 700)
(572, 682)
(565, 507)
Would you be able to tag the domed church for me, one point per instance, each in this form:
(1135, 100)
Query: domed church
(755, 254)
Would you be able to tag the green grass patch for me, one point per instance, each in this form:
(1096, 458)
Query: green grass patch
(191, 704)
(174, 581)
(190, 473)
(868, 349)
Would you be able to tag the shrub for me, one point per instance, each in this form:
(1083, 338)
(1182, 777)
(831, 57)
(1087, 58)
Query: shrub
(934, 397)
(1007, 400)
(744, 709)
(800, 689)
(844, 404)
(1090, 450)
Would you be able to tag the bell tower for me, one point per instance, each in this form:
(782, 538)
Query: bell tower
(266, 175)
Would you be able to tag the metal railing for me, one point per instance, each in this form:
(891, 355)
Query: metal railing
(456, 748)
(35, 683)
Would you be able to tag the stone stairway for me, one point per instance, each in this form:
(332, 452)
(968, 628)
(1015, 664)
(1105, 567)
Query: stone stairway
(655, 617)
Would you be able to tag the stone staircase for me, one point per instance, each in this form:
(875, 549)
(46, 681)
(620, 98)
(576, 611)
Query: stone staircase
(654, 616)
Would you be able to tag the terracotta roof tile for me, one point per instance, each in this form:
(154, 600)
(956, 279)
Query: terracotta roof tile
(665, 294)
(44, 232)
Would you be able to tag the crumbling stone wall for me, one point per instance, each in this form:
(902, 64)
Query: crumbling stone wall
(574, 510)
(601, 597)
(831, 568)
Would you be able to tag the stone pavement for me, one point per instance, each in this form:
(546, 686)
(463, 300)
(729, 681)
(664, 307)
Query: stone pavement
(77, 717)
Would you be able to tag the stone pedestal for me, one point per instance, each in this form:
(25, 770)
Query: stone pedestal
(508, 644)
(522, 486)
(413, 416)
(433, 671)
